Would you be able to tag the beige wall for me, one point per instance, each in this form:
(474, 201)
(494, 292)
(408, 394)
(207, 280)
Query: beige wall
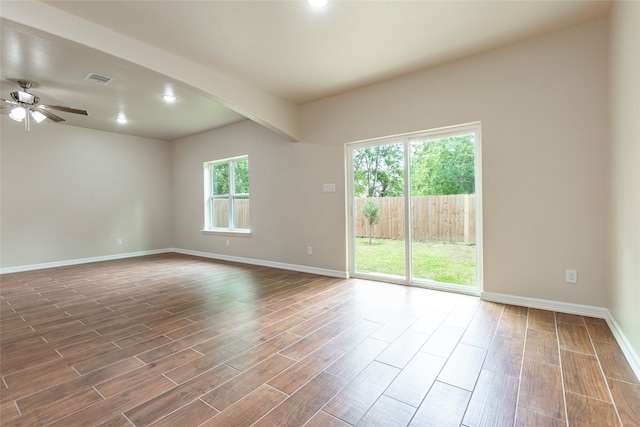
(289, 211)
(625, 169)
(543, 107)
(68, 193)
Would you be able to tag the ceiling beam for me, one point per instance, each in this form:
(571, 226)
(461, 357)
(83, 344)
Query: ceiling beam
(276, 114)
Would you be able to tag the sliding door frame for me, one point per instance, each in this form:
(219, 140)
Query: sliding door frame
(405, 139)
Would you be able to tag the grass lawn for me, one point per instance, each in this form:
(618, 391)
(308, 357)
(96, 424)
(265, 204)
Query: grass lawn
(439, 261)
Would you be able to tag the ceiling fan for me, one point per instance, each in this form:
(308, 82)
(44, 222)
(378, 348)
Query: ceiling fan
(25, 106)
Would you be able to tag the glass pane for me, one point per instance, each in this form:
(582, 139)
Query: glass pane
(241, 212)
(241, 176)
(220, 179)
(443, 210)
(378, 180)
(220, 213)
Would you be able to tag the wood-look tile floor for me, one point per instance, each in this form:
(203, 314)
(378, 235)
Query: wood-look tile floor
(172, 340)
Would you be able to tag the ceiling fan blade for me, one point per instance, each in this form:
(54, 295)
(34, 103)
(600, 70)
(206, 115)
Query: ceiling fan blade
(25, 97)
(65, 109)
(11, 103)
(49, 115)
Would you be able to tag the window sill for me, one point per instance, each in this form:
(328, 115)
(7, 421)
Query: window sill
(238, 233)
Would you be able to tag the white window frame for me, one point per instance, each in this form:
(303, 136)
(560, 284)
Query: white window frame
(232, 196)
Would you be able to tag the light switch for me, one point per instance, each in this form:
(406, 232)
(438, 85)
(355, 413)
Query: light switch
(329, 188)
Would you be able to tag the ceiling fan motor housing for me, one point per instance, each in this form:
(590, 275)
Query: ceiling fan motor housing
(25, 97)
(29, 102)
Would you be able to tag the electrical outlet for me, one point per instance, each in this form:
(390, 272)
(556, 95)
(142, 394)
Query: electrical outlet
(309, 250)
(227, 243)
(119, 242)
(571, 276)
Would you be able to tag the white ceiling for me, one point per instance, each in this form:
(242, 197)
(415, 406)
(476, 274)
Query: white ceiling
(260, 59)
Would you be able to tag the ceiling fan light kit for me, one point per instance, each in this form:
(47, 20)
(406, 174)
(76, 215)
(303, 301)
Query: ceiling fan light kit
(37, 116)
(18, 114)
(24, 101)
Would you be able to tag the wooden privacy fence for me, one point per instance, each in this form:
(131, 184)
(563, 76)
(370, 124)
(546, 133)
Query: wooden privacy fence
(449, 218)
(241, 212)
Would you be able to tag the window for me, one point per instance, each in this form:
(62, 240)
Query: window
(227, 195)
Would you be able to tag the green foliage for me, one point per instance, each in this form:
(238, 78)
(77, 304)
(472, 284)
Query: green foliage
(379, 171)
(241, 176)
(438, 167)
(443, 166)
(371, 212)
(220, 177)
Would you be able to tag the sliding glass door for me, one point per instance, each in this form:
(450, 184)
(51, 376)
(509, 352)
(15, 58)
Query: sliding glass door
(415, 209)
(378, 206)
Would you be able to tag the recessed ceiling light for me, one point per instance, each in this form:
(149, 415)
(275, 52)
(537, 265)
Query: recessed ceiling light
(169, 98)
(317, 3)
(122, 120)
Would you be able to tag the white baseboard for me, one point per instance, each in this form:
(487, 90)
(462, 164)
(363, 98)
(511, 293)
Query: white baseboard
(583, 310)
(263, 263)
(625, 345)
(542, 304)
(69, 262)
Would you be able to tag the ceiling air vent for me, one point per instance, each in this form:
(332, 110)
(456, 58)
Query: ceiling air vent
(97, 78)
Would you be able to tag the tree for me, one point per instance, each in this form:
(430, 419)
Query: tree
(241, 176)
(220, 177)
(379, 171)
(443, 166)
(371, 213)
(438, 167)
